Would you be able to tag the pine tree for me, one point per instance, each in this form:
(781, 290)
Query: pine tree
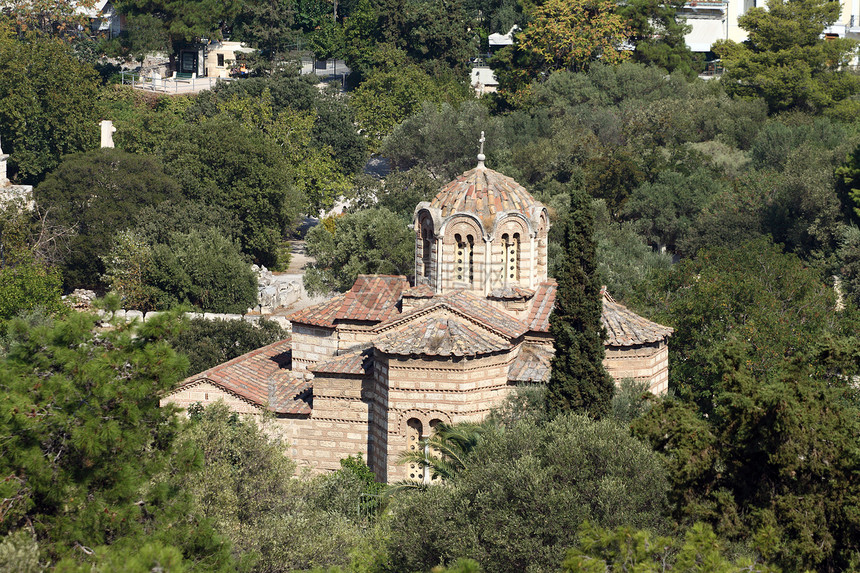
(578, 381)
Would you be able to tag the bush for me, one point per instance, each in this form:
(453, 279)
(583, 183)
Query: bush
(524, 493)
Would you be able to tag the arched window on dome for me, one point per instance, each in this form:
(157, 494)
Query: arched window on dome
(426, 246)
(465, 267)
(512, 257)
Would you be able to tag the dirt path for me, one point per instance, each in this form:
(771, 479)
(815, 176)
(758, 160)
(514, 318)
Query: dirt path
(299, 258)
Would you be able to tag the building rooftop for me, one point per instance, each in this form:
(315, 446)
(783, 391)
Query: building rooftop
(261, 378)
(532, 364)
(355, 362)
(626, 328)
(373, 298)
(485, 193)
(469, 307)
(441, 336)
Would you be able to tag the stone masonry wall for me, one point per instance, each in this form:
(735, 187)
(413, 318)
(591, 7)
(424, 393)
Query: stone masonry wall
(643, 362)
(311, 344)
(428, 390)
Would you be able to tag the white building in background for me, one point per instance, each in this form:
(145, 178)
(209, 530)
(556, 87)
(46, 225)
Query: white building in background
(104, 17)
(848, 24)
(713, 20)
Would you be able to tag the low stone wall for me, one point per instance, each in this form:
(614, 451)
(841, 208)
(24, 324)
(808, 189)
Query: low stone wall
(130, 315)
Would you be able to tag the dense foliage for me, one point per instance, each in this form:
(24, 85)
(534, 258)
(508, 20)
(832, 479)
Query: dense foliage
(578, 381)
(98, 193)
(373, 241)
(46, 105)
(207, 343)
(85, 443)
(524, 492)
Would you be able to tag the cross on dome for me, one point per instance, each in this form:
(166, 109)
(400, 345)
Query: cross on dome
(481, 156)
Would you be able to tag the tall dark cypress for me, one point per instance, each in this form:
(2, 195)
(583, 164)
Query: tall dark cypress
(579, 381)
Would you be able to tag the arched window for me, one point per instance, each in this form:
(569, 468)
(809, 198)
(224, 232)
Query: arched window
(512, 258)
(464, 268)
(414, 433)
(428, 477)
(425, 251)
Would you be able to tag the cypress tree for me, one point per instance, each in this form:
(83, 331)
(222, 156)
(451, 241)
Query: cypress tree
(578, 381)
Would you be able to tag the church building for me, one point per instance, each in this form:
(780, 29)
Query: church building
(375, 369)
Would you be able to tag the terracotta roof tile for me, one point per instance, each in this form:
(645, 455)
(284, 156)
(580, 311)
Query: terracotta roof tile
(290, 394)
(372, 298)
(623, 326)
(420, 291)
(321, 314)
(532, 364)
(356, 362)
(626, 328)
(468, 306)
(260, 377)
(512, 293)
(484, 192)
(542, 303)
(437, 336)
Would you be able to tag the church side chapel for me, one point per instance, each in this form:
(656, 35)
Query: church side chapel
(375, 369)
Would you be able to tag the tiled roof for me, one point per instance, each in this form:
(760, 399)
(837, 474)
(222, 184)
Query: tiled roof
(372, 298)
(532, 364)
(625, 328)
(483, 192)
(260, 377)
(356, 362)
(420, 291)
(290, 394)
(438, 336)
(321, 314)
(468, 306)
(512, 293)
(544, 299)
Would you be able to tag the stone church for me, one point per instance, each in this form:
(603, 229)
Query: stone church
(375, 369)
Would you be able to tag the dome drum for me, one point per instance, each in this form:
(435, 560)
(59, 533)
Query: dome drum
(482, 232)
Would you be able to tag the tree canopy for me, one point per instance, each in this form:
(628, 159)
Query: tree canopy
(786, 59)
(99, 193)
(87, 446)
(578, 381)
(46, 105)
(373, 241)
(773, 464)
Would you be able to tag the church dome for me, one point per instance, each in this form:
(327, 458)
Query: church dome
(485, 193)
(483, 232)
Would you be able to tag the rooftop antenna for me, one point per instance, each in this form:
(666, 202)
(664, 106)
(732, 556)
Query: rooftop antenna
(481, 156)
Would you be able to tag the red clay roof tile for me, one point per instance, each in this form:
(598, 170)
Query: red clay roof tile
(438, 336)
(260, 377)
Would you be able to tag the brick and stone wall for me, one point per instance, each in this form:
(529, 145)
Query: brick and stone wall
(206, 393)
(648, 362)
(430, 390)
(312, 344)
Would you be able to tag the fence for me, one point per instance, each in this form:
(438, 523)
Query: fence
(175, 85)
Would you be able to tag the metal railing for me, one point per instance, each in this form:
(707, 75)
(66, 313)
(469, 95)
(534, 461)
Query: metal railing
(176, 85)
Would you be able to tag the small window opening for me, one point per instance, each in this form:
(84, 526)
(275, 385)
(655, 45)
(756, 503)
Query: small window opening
(425, 252)
(414, 433)
(464, 268)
